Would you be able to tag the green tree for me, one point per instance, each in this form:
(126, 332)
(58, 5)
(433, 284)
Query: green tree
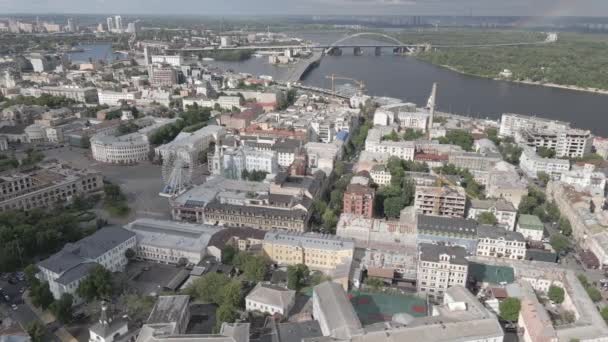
(224, 313)
(138, 306)
(374, 283)
(255, 268)
(97, 285)
(543, 177)
(129, 254)
(228, 254)
(209, 287)
(556, 294)
(36, 330)
(565, 226)
(604, 313)
(30, 274)
(559, 243)
(232, 294)
(296, 276)
(594, 294)
(41, 295)
(412, 134)
(330, 220)
(487, 218)
(393, 206)
(62, 308)
(509, 309)
(392, 136)
(461, 138)
(545, 152)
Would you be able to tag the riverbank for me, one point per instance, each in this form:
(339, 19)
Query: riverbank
(542, 84)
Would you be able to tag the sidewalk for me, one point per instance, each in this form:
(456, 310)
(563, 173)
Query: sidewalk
(46, 317)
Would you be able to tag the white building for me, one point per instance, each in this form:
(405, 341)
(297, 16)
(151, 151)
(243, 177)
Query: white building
(499, 243)
(530, 227)
(270, 299)
(402, 149)
(531, 164)
(322, 156)
(334, 312)
(175, 61)
(511, 124)
(598, 245)
(236, 160)
(227, 102)
(585, 179)
(380, 175)
(168, 242)
(504, 211)
(114, 98)
(439, 268)
(126, 149)
(36, 133)
(65, 269)
(108, 328)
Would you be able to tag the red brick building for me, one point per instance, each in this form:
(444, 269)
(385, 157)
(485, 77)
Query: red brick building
(359, 200)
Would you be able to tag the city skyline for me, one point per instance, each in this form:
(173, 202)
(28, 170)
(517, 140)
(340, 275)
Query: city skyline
(291, 7)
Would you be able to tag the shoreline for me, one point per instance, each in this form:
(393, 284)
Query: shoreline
(541, 84)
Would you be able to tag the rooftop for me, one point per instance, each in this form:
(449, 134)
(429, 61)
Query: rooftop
(447, 225)
(309, 240)
(272, 295)
(485, 231)
(168, 309)
(432, 252)
(170, 234)
(530, 222)
(337, 310)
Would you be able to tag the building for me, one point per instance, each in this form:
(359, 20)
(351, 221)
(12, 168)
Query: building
(505, 212)
(115, 98)
(585, 179)
(531, 164)
(504, 182)
(439, 268)
(359, 200)
(447, 230)
(241, 238)
(270, 299)
(402, 149)
(380, 174)
(499, 243)
(598, 245)
(474, 161)
(535, 322)
(108, 328)
(175, 61)
(234, 161)
(110, 24)
(329, 254)
(86, 95)
(570, 143)
(334, 312)
(511, 124)
(440, 201)
(161, 76)
(322, 156)
(126, 149)
(47, 185)
(530, 227)
(65, 269)
(171, 242)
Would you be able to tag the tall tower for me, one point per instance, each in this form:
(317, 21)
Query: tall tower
(71, 26)
(110, 24)
(118, 22)
(431, 106)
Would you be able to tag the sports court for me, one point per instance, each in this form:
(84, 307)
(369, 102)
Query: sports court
(380, 307)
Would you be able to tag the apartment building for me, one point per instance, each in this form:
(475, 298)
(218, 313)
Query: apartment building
(358, 199)
(162, 76)
(585, 179)
(270, 299)
(447, 230)
(499, 243)
(115, 98)
(511, 124)
(46, 185)
(531, 164)
(380, 175)
(570, 143)
(66, 269)
(531, 227)
(88, 95)
(439, 268)
(504, 211)
(440, 201)
(402, 149)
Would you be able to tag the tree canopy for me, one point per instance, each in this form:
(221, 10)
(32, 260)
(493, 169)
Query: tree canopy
(97, 285)
(556, 294)
(509, 309)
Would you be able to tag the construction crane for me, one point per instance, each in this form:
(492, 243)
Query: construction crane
(334, 77)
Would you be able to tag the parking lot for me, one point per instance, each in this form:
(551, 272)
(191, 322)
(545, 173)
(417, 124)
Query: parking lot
(141, 183)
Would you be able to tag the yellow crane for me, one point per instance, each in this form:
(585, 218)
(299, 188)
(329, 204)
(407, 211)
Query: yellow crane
(334, 77)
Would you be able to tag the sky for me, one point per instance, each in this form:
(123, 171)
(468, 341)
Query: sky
(298, 7)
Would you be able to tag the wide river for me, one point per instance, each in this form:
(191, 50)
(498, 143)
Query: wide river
(410, 79)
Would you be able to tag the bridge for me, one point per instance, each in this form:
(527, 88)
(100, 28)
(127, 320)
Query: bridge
(336, 47)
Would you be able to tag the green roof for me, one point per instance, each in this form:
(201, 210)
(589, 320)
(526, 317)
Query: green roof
(491, 274)
(530, 222)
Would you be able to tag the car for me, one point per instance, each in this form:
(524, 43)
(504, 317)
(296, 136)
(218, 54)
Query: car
(14, 307)
(7, 298)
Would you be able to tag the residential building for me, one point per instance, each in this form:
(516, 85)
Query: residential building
(65, 269)
(499, 243)
(402, 149)
(531, 164)
(570, 143)
(322, 156)
(270, 299)
(46, 185)
(439, 268)
(115, 98)
(241, 238)
(87, 95)
(234, 161)
(171, 242)
(359, 200)
(229, 102)
(474, 161)
(585, 179)
(511, 124)
(504, 181)
(448, 230)
(505, 212)
(334, 312)
(440, 201)
(329, 254)
(598, 245)
(175, 61)
(530, 227)
(535, 322)
(162, 76)
(380, 174)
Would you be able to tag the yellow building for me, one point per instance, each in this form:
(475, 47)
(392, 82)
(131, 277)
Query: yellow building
(329, 254)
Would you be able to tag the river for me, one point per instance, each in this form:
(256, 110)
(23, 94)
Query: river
(410, 79)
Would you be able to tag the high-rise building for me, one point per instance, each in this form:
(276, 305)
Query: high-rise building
(132, 27)
(118, 22)
(71, 27)
(110, 24)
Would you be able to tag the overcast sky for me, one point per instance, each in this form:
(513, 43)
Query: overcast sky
(278, 7)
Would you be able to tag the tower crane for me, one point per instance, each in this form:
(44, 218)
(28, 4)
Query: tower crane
(334, 77)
